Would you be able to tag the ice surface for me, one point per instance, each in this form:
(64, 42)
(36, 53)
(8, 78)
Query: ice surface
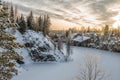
(70, 70)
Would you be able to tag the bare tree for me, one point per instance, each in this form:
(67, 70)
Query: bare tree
(59, 44)
(91, 69)
(68, 45)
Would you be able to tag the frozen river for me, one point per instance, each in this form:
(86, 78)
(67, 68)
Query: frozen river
(70, 70)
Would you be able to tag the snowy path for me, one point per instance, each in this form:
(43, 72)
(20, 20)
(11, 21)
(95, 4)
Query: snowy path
(69, 70)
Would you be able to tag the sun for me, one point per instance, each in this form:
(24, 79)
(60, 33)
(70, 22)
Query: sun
(116, 25)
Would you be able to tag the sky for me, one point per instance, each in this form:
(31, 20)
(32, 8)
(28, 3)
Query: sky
(76, 12)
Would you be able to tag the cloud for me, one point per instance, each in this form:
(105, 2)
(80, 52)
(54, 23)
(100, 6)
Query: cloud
(101, 8)
(77, 11)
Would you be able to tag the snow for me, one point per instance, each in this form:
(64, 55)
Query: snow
(1, 49)
(19, 37)
(23, 51)
(73, 34)
(70, 70)
(38, 37)
(81, 38)
(39, 40)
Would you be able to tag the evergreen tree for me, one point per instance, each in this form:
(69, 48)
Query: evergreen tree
(36, 25)
(12, 14)
(16, 13)
(40, 23)
(0, 2)
(8, 56)
(4, 11)
(22, 24)
(119, 31)
(46, 25)
(106, 31)
(30, 21)
(17, 20)
(88, 30)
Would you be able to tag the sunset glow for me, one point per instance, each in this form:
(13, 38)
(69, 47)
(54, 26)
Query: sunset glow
(116, 24)
(79, 12)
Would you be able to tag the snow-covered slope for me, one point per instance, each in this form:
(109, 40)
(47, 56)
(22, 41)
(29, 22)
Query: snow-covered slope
(41, 48)
(23, 51)
(38, 47)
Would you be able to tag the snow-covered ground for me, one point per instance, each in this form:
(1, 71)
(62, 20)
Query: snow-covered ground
(70, 70)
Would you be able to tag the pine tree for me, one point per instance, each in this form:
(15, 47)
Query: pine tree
(30, 21)
(17, 20)
(88, 30)
(0, 2)
(46, 25)
(106, 31)
(36, 25)
(5, 7)
(8, 56)
(22, 24)
(119, 31)
(40, 23)
(16, 13)
(12, 14)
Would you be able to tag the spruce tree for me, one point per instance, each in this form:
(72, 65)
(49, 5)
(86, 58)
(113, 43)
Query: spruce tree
(17, 20)
(22, 24)
(0, 2)
(12, 14)
(16, 13)
(40, 23)
(30, 21)
(46, 25)
(106, 32)
(7, 56)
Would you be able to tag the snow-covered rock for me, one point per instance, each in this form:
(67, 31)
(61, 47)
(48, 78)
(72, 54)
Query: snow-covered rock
(41, 48)
(37, 47)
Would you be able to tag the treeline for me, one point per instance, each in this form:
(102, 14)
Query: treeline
(107, 39)
(101, 30)
(41, 23)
